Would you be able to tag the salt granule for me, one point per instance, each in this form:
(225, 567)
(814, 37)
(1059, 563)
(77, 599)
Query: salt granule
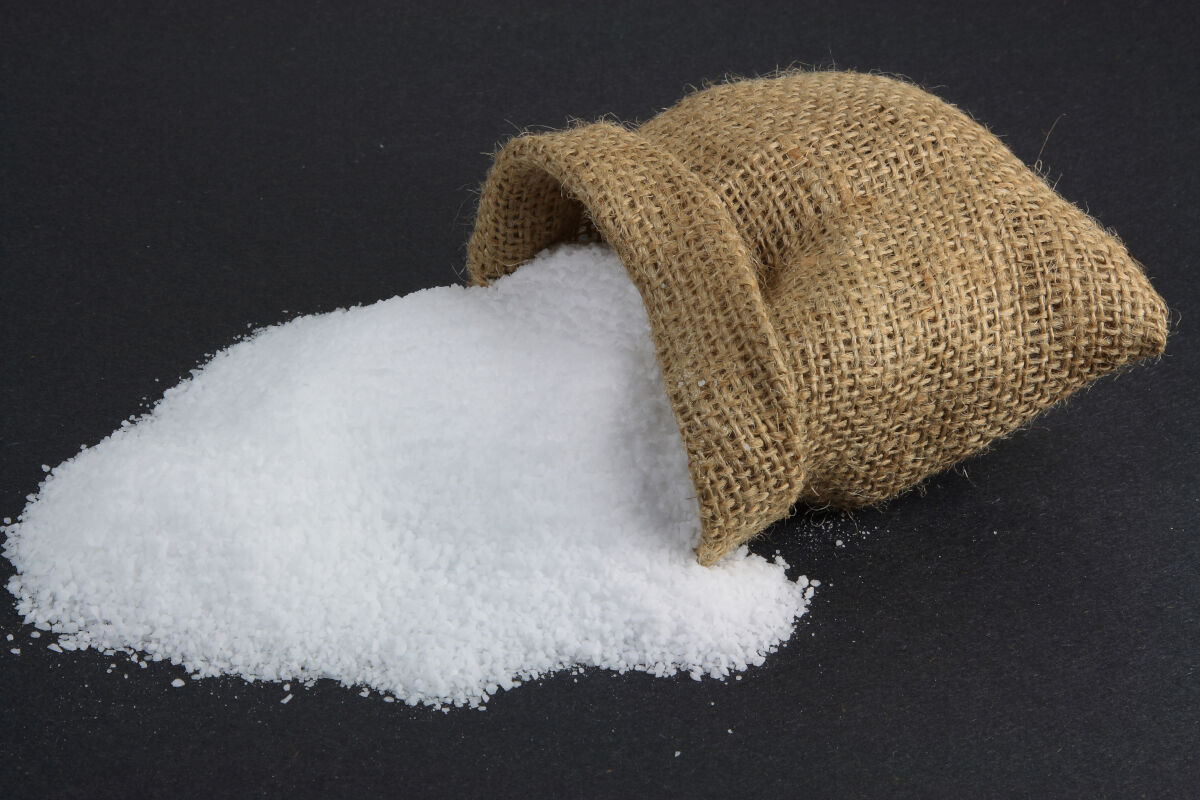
(436, 496)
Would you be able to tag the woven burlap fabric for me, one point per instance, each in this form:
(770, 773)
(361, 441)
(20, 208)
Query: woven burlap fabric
(851, 285)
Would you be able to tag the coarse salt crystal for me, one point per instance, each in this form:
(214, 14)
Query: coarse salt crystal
(308, 485)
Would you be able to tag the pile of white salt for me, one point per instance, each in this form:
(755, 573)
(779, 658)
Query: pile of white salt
(436, 496)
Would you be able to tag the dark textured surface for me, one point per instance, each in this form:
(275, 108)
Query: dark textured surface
(1026, 627)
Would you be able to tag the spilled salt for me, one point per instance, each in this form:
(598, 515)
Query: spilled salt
(437, 497)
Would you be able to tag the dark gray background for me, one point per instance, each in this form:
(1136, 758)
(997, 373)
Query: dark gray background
(1025, 627)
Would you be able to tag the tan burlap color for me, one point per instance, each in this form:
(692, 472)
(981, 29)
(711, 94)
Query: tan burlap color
(851, 284)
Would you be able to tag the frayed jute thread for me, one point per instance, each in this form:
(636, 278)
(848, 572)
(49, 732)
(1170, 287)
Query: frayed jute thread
(851, 284)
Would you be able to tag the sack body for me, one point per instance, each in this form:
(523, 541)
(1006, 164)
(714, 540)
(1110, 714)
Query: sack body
(851, 284)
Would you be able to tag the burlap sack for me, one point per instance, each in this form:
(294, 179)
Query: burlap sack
(851, 284)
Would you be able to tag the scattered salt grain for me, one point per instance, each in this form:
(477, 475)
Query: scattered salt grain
(437, 496)
(54, 647)
(178, 682)
(286, 700)
(8, 638)
(35, 635)
(16, 651)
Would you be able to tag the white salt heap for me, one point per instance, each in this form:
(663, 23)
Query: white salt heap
(435, 496)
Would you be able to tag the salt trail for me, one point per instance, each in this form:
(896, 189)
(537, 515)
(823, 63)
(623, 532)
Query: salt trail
(435, 496)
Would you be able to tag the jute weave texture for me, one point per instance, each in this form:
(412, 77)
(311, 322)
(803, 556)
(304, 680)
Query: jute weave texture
(851, 284)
